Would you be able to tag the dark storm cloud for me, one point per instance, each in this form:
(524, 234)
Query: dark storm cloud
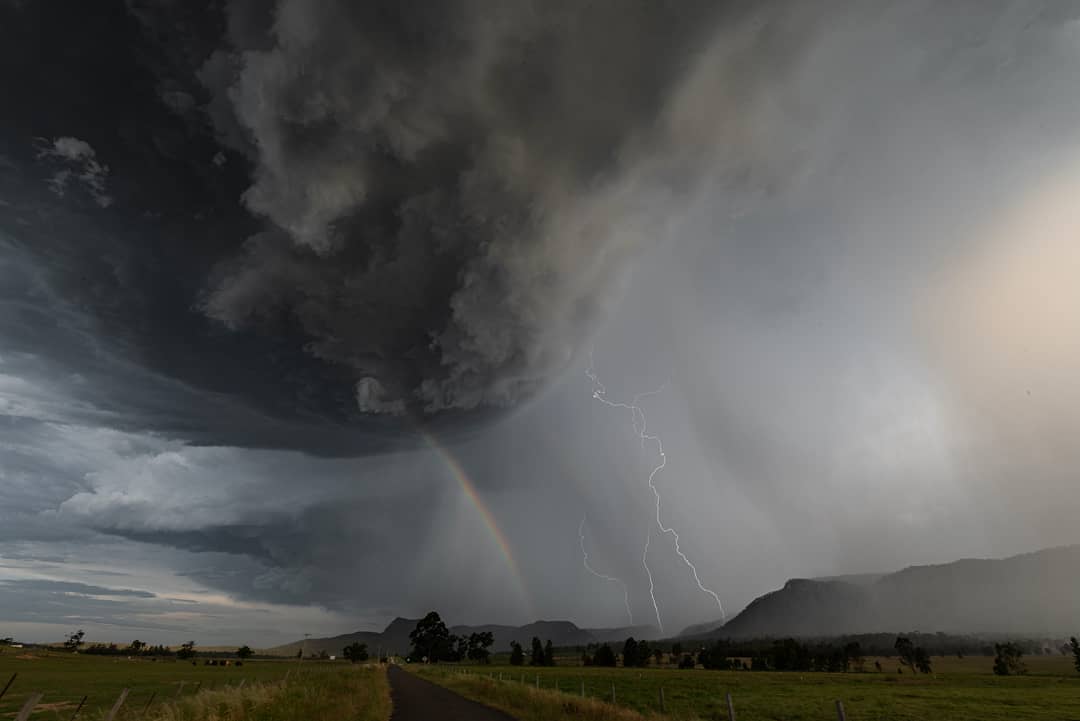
(319, 216)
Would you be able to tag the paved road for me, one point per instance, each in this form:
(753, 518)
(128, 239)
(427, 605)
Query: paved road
(418, 700)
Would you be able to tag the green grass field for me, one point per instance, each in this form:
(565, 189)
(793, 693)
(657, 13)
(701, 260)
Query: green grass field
(959, 689)
(65, 678)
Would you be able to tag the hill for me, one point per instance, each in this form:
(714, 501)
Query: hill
(1034, 593)
(394, 638)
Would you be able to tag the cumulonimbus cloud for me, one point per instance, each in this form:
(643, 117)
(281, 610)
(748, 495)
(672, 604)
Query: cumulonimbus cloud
(452, 193)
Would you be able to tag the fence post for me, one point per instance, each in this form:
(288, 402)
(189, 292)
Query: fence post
(8, 684)
(556, 685)
(662, 710)
(840, 715)
(79, 708)
(583, 688)
(116, 706)
(612, 692)
(730, 708)
(242, 682)
(28, 707)
(181, 689)
(147, 706)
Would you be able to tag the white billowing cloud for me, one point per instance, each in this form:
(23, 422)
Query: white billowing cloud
(80, 164)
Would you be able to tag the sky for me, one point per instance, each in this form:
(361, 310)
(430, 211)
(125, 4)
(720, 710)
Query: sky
(314, 314)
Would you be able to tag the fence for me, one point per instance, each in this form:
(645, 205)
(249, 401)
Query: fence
(841, 714)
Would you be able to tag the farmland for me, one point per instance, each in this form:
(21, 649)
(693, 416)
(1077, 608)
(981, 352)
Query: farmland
(180, 690)
(959, 689)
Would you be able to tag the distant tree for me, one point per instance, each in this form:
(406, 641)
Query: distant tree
(644, 654)
(322, 655)
(431, 639)
(74, 640)
(912, 656)
(355, 652)
(136, 647)
(517, 654)
(186, 651)
(853, 655)
(549, 653)
(244, 653)
(604, 656)
(676, 649)
(877, 666)
(630, 653)
(922, 661)
(686, 661)
(1008, 660)
(300, 653)
(478, 645)
(658, 655)
(1074, 646)
(537, 658)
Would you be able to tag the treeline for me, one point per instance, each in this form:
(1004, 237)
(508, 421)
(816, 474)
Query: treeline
(135, 648)
(432, 642)
(542, 654)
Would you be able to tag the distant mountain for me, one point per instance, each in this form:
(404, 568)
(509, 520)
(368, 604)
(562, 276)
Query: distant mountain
(1034, 593)
(395, 637)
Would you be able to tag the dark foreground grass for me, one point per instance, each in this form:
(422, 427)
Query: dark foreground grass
(698, 694)
(65, 678)
(339, 693)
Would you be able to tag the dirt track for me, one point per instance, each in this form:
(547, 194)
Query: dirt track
(418, 700)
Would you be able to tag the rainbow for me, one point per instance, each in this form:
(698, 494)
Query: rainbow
(458, 472)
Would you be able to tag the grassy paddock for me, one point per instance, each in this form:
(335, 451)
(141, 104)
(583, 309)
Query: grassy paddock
(962, 689)
(65, 678)
(338, 692)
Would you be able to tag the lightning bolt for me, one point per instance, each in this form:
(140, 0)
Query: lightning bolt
(652, 586)
(593, 571)
(641, 430)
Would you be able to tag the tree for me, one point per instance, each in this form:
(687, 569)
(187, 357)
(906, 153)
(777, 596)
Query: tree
(187, 650)
(922, 660)
(629, 653)
(431, 639)
(604, 656)
(658, 655)
(74, 640)
(644, 654)
(549, 653)
(136, 647)
(1074, 646)
(686, 661)
(1008, 660)
(477, 646)
(912, 656)
(853, 655)
(355, 652)
(244, 653)
(517, 654)
(537, 657)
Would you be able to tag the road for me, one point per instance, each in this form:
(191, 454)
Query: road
(418, 700)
